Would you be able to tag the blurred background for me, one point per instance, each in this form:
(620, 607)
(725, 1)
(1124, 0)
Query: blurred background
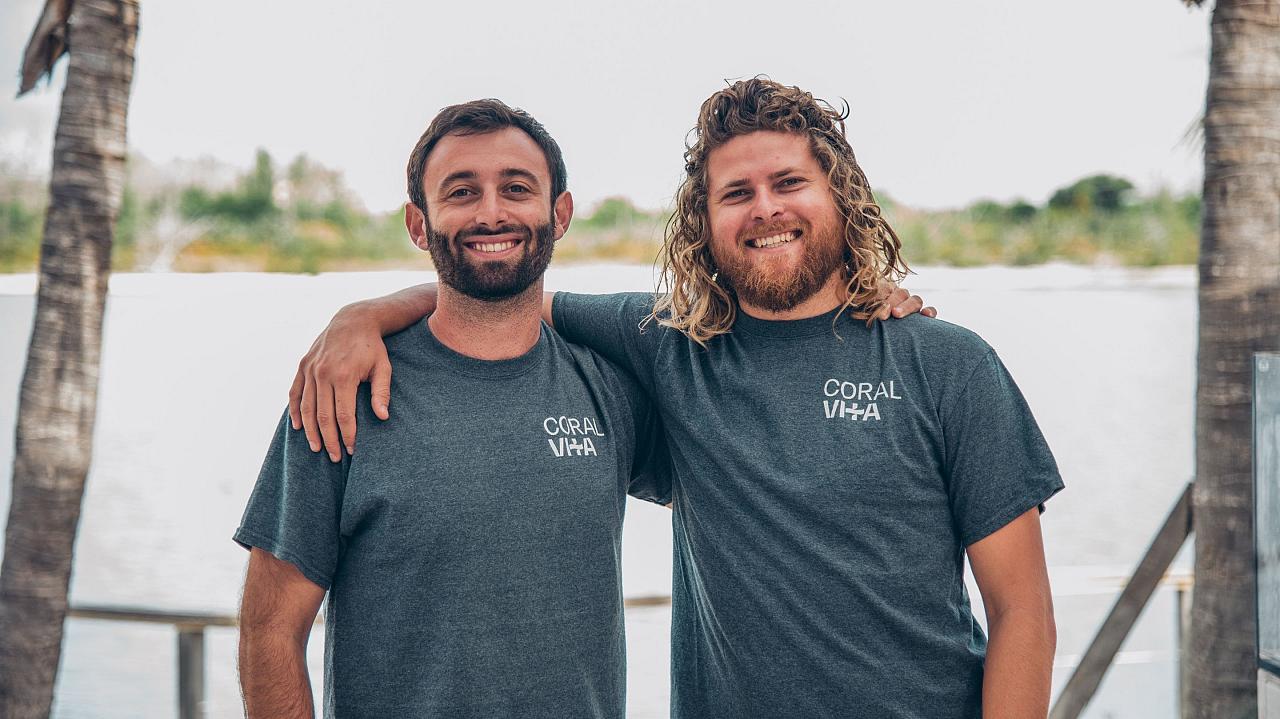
(274, 137)
(1041, 163)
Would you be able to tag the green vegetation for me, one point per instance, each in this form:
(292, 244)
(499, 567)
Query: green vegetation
(302, 219)
(20, 228)
(615, 231)
(1094, 220)
(22, 203)
(302, 222)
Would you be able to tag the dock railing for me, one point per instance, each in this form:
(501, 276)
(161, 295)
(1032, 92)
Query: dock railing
(191, 628)
(1150, 573)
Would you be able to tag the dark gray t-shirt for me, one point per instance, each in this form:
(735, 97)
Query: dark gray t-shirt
(825, 489)
(471, 546)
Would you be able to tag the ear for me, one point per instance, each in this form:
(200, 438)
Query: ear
(415, 221)
(562, 214)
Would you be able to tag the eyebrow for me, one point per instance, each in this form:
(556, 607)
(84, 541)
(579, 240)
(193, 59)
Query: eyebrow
(506, 173)
(742, 182)
(455, 176)
(520, 173)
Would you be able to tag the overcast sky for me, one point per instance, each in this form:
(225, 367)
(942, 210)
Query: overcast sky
(951, 101)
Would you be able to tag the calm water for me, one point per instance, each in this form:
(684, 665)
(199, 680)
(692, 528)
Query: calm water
(196, 367)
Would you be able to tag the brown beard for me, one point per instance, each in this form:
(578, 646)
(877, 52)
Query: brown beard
(774, 289)
(491, 281)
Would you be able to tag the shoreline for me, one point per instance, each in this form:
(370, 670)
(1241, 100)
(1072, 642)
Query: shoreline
(614, 276)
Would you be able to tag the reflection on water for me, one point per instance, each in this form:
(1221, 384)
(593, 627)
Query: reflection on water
(195, 370)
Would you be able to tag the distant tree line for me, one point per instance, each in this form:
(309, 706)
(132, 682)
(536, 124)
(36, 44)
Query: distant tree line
(1096, 219)
(303, 219)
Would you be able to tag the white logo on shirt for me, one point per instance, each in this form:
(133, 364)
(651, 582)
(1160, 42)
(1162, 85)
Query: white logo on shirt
(856, 400)
(571, 436)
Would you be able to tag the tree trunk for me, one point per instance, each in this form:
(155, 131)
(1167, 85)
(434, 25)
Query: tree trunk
(60, 384)
(1239, 315)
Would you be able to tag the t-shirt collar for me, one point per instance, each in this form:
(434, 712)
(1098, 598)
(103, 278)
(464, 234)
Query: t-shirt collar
(483, 368)
(806, 327)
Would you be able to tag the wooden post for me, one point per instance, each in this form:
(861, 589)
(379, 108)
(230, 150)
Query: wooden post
(1097, 659)
(190, 672)
(1181, 608)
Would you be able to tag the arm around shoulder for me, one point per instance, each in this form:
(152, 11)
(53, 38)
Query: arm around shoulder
(398, 310)
(348, 352)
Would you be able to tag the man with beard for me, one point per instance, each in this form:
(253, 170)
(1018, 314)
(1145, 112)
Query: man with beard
(832, 473)
(471, 551)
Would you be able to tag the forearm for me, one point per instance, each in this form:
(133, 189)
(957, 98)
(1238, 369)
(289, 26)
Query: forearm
(273, 676)
(397, 311)
(1019, 665)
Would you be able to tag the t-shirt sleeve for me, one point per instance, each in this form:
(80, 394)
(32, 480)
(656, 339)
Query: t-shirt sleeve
(293, 512)
(612, 326)
(999, 465)
(651, 463)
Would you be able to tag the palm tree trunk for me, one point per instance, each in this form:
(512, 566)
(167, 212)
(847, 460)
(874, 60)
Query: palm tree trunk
(60, 385)
(1239, 315)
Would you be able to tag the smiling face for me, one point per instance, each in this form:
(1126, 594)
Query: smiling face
(489, 224)
(775, 229)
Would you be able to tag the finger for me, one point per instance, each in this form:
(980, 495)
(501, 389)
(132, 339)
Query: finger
(929, 312)
(344, 396)
(325, 420)
(895, 298)
(912, 304)
(380, 386)
(884, 287)
(307, 407)
(295, 400)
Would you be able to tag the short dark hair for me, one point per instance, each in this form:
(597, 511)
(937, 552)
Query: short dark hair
(476, 118)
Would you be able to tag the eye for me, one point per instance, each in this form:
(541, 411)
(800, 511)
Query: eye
(518, 189)
(791, 181)
(733, 195)
(460, 192)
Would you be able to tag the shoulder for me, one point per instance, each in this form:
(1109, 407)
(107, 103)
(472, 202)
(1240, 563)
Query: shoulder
(593, 366)
(935, 339)
(943, 355)
(406, 342)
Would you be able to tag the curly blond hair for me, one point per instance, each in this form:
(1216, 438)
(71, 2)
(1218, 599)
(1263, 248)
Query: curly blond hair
(689, 298)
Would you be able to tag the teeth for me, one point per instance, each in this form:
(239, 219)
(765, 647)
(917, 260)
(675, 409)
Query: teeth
(773, 240)
(495, 246)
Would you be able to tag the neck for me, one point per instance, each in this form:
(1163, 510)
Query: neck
(488, 330)
(831, 296)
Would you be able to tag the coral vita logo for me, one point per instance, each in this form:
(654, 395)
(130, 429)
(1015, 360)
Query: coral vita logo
(572, 436)
(856, 401)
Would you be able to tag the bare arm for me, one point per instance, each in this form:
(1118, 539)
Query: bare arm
(276, 614)
(1010, 570)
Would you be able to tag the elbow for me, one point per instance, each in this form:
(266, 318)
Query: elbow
(263, 650)
(1050, 631)
(1048, 625)
(265, 632)
(1034, 617)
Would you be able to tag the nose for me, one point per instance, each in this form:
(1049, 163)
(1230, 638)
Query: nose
(491, 211)
(766, 206)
